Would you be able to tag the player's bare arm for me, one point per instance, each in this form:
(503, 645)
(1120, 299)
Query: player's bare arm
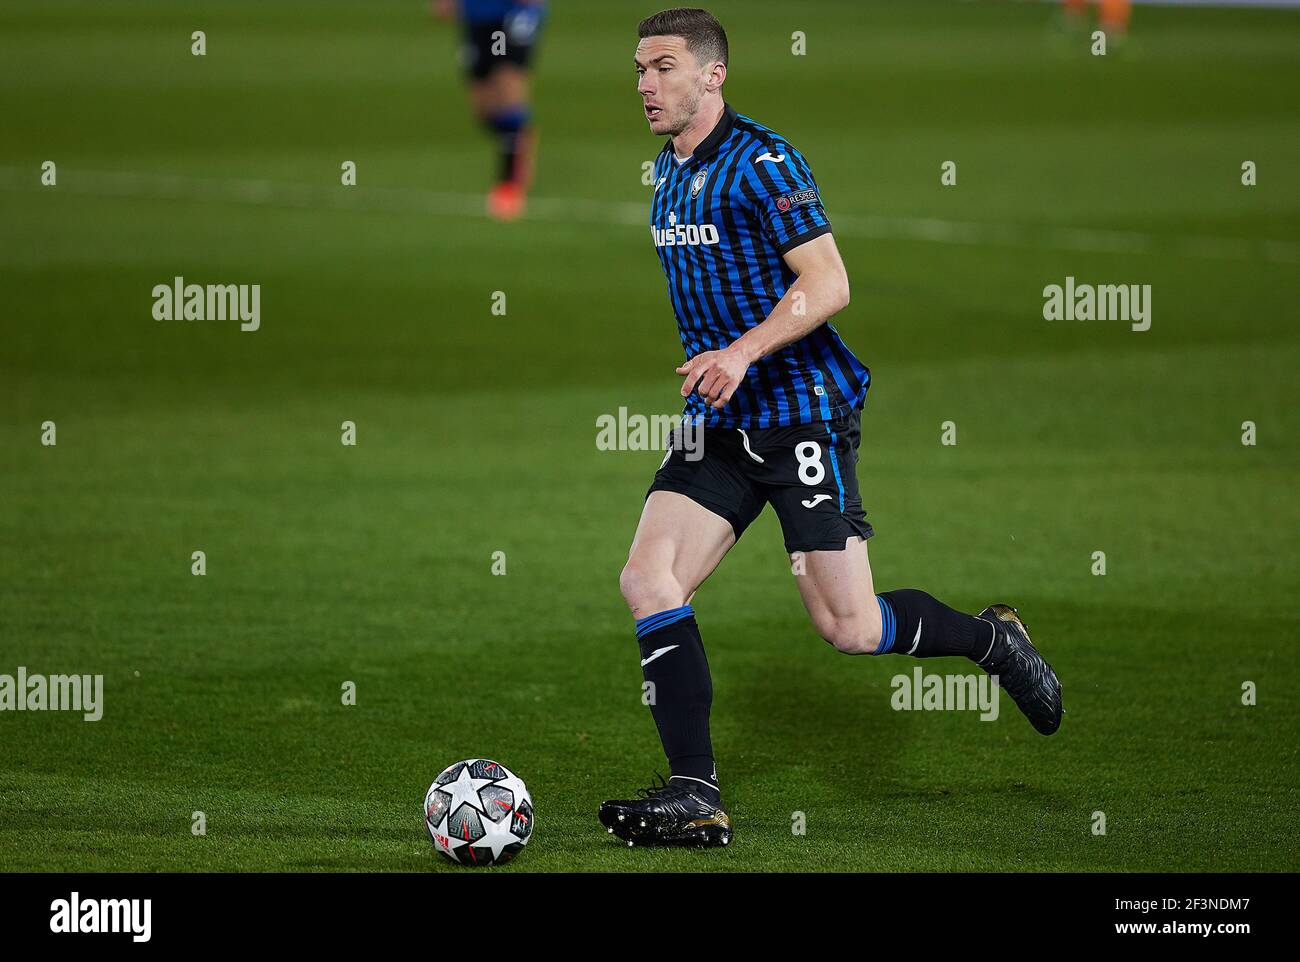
(820, 291)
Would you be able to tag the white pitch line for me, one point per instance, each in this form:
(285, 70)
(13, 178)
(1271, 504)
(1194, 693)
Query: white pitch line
(152, 186)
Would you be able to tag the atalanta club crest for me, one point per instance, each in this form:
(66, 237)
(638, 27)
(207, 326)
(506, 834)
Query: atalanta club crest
(698, 183)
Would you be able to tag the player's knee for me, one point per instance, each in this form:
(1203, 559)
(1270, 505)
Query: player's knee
(850, 636)
(648, 588)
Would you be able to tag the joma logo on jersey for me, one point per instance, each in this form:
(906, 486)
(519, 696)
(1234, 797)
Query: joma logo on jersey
(684, 235)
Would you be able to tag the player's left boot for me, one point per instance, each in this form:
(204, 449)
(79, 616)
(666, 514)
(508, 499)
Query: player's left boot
(1022, 672)
(673, 813)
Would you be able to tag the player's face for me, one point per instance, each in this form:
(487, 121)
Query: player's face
(671, 84)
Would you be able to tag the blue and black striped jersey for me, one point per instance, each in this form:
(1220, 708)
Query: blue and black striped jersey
(722, 222)
(490, 11)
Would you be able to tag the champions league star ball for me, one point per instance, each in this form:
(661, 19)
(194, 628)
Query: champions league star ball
(478, 812)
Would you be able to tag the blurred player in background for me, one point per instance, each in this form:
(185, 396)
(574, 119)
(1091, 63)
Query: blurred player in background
(499, 39)
(1112, 16)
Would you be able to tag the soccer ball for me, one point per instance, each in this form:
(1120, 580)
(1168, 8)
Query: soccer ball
(478, 812)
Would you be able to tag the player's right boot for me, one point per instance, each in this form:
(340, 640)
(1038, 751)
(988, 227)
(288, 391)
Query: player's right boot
(672, 813)
(1021, 671)
(506, 201)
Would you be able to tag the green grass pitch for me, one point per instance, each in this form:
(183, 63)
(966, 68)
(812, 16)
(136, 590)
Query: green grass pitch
(476, 434)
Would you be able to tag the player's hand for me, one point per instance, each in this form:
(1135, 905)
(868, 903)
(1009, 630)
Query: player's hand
(715, 375)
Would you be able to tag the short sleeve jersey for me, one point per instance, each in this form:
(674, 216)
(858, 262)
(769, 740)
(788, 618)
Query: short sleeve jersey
(721, 223)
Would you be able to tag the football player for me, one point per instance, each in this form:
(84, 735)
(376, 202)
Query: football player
(754, 276)
(500, 41)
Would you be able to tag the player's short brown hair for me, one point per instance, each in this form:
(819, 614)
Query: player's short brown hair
(704, 36)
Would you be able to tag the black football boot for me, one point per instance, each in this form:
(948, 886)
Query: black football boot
(1021, 671)
(675, 812)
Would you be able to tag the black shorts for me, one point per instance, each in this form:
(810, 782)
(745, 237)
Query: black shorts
(808, 472)
(518, 34)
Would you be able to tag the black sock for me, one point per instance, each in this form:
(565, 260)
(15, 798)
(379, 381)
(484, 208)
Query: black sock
(510, 126)
(680, 692)
(914, 623)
